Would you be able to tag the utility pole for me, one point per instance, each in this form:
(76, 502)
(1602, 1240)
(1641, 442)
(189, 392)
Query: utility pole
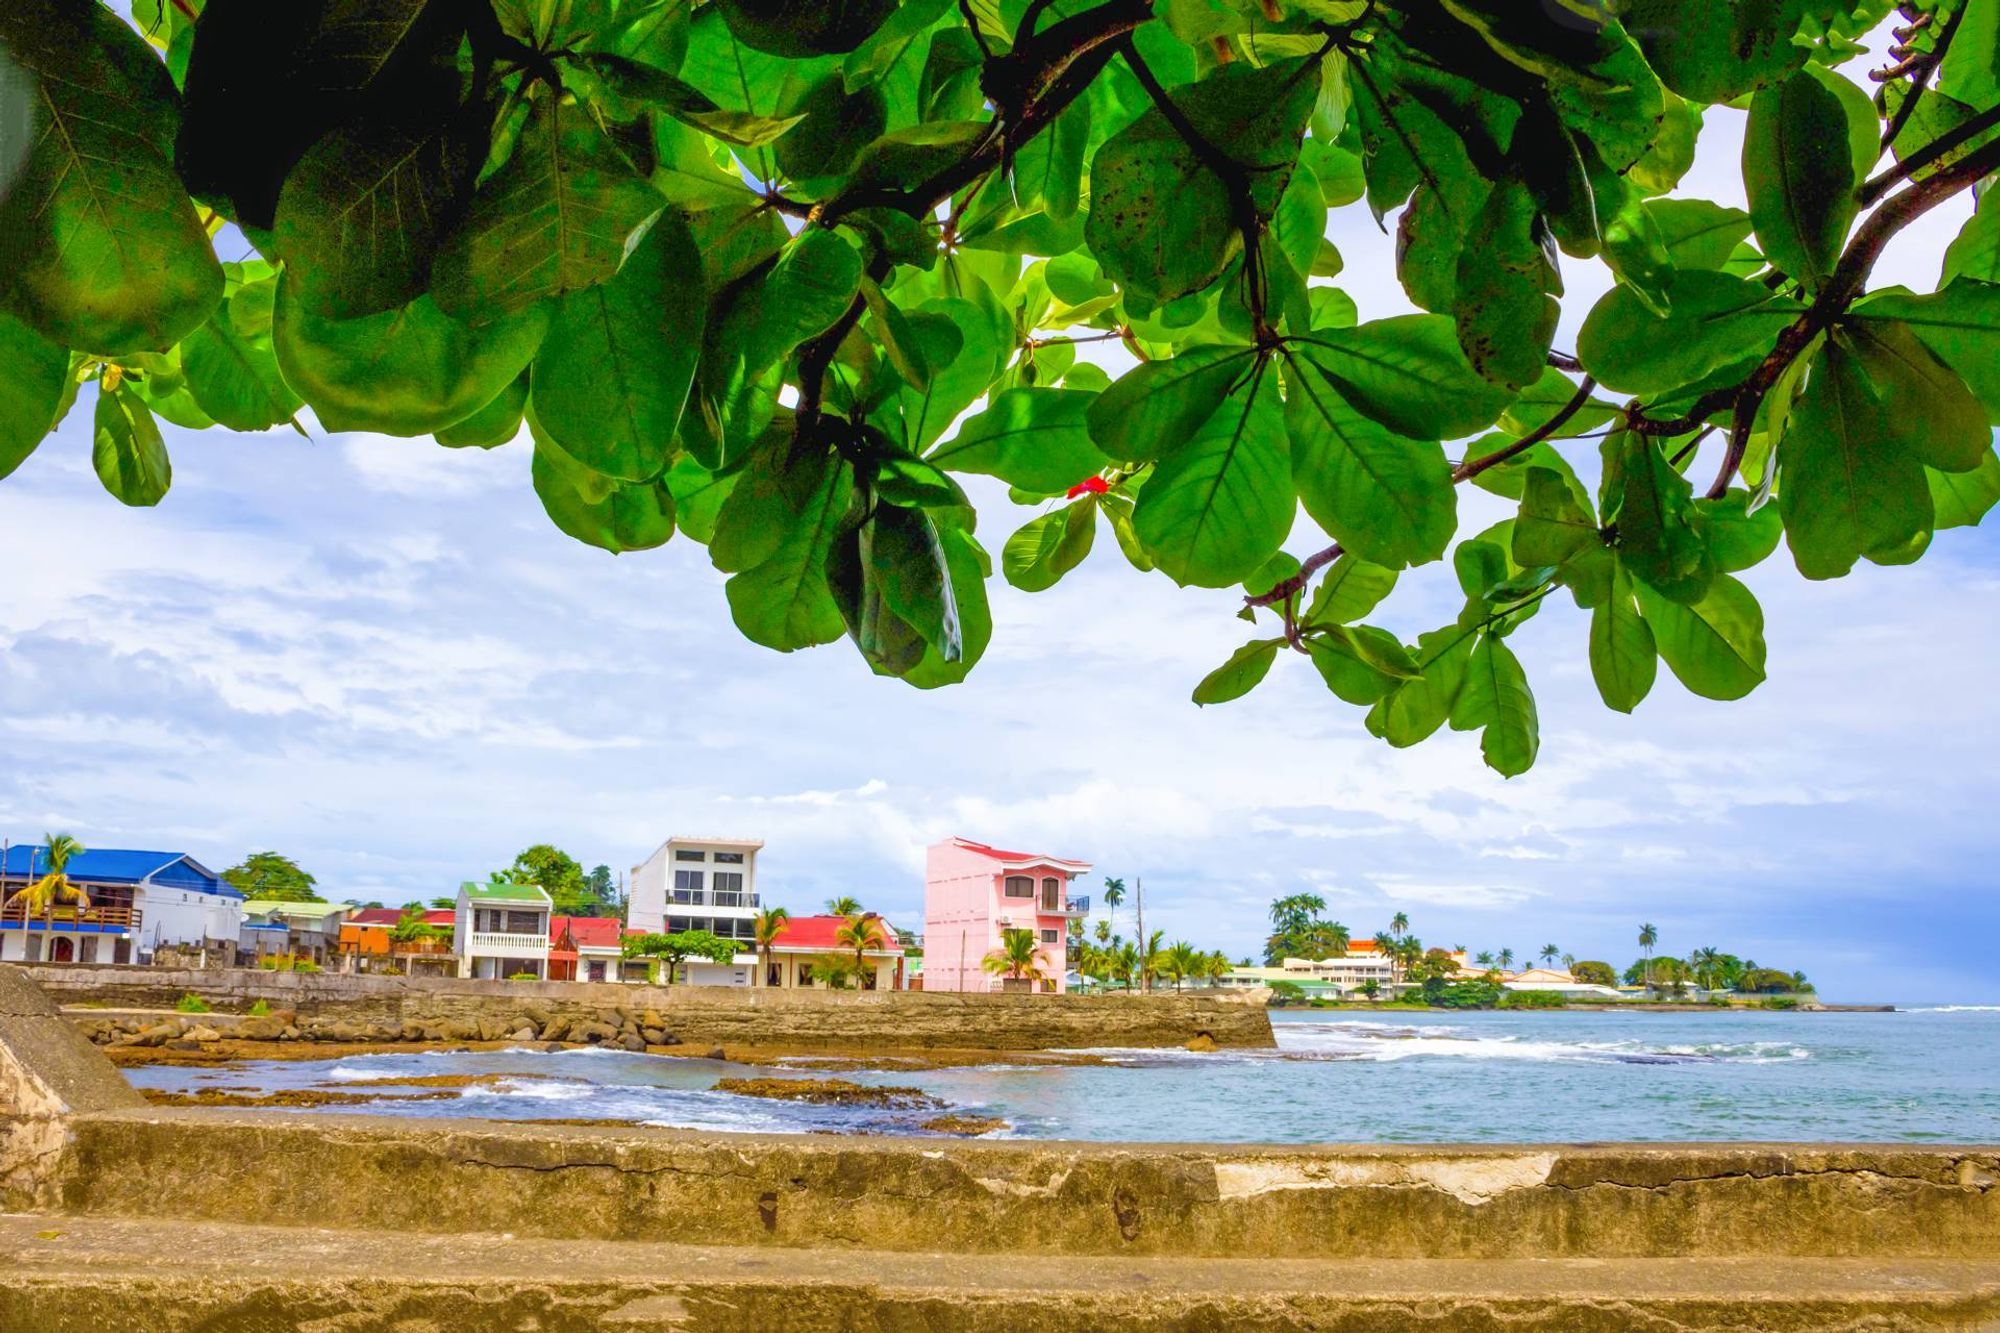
(1139, 899)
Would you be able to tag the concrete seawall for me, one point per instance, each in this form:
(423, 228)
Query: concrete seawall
(832, 1021)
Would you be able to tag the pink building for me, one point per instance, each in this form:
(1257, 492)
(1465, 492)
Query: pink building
(972, 892)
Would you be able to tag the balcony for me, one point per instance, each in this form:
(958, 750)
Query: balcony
(1054, 906)
(506, 944)
(712, 898)
(97, 920)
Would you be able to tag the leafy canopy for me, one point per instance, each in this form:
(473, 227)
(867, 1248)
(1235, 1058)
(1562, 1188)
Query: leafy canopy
(776, 276)
(271, 875)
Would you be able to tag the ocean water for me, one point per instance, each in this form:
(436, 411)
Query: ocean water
(1925, 1074)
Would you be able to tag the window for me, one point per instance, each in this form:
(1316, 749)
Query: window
(774, 975)
(687, 886)
(525, 923)
(729, 858)
(1051, 894)
(676, 924)
(1049, 937)
(728, 888)
(1019, 886)
(690, 856)
(805, 974)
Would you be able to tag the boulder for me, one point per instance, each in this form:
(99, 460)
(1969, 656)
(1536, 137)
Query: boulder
(203, 1033)
(718, 1054)
(651, 1019)
(157, 1035)
(183, 1044)
(411, 1031)
(632, 1042)
(266, 1028)
(556, 1029)
(526, 1032)
(493, 1029)
(1201, 1042)
(461, 1029)
(653, 1035)
(290, 1033)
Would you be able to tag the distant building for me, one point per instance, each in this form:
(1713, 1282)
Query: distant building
(973, 892)
(697, 884)
(502, 930)
(312, 930)
(1363, 962)
(1562, 983)
(139, 901)
(367, 943)
(803, 939)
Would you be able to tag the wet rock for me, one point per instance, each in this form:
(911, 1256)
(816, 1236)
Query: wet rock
(266, 1028)
(593, 1032)
(632, 1042)
(653, 1036)
(829, 1091)
(1201, 1042)
(966, 1126)
(526, 1032)
(203, 1033)
(718, 1054)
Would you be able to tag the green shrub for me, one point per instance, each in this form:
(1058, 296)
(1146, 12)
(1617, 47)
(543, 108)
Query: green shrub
(276, 962)
(1286, 993)
(522, 976)
(1780, 1002)
(191, 1003)
(1461, 995)
(1533, 999)
(260, 1009)
(304, 965)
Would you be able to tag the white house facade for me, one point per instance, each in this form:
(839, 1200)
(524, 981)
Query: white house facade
(502, 930)
(138, 901)
(698, 884)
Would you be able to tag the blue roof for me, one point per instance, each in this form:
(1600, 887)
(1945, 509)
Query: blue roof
(119, 866)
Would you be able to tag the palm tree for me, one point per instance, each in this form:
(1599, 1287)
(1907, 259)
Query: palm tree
(861, 933)
(1125, 962)
(766, 926)
(39, 896)
(1569, 962)
(1399, 924)
(843, 906)
(1149, 959)
(1649, 935)
(1371, 988)
(1019, 956)
(1102, 930)
(1178, 962)
(1114, 898)
(1550, 952)
(1506, 959)
(1705, 962)
(1484, 958)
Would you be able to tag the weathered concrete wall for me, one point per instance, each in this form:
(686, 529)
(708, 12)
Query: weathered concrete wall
(1032, 1198)
(48, 1072)
(804, 1020)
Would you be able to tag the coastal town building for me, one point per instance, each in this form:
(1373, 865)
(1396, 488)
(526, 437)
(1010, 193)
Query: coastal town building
(502, 930)
(974, 892)
(804, 939)
(139, 902)
(589, 948)
(368, 943)
(1349, 974)
(691, 883)
(1562, 983)
(312, 930)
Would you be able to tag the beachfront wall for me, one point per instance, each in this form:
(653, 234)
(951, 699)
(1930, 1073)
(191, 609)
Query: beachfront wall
(973, 892)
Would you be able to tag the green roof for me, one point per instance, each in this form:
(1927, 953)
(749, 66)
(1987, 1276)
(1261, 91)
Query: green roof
(287, 907)
(504, 893)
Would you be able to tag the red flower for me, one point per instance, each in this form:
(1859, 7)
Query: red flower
(1089, 486)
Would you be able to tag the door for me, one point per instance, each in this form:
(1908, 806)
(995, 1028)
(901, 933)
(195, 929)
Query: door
(62, 950)
(597, 970)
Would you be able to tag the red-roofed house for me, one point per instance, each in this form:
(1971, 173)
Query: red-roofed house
(972, 892)
(366, 946)
(802, 939)
(586, 948)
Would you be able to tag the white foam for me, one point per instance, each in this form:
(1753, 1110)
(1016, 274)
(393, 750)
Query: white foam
(1955, 1009)
(538, 1089)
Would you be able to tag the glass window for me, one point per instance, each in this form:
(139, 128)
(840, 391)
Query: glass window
(676, 924)
(1020, 886)
(690, 856)
(1048, 937)
(729, 858)
(688, 880)
(728, 881)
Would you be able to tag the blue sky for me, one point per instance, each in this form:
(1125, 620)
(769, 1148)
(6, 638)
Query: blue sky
(378, 656)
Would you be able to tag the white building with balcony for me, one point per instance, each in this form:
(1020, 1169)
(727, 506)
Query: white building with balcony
(697, 884)
(502, 930)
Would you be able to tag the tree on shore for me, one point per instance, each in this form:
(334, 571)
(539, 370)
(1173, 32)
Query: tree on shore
(671, 951)
(1594, 973)
(861, 934)
(1018, 958)
(765, 927)
(1114, 898)
(44, 891)
(829, 299)
(844, 905)
(1550, 952)
(270, 875)
(1649, 935)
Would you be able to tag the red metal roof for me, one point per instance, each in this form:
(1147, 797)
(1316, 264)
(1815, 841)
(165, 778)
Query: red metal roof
(995, 852)
(818, 932)
(588, 932)
(375, 916)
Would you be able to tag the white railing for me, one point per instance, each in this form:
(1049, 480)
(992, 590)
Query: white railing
(507, 945)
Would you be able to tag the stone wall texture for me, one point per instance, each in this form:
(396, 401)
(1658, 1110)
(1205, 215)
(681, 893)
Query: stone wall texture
(832, 1021)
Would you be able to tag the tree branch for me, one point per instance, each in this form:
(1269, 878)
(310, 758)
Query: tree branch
(1929, 67)
(1929, 153)
(1472, 467)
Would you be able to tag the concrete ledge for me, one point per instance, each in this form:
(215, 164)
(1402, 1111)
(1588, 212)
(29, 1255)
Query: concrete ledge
(1031, 1198)
(66, 1273)
(833, 1021)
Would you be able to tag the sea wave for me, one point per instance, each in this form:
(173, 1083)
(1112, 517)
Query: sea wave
(1384, 1043)
(535, 1089)
(1954, 1009)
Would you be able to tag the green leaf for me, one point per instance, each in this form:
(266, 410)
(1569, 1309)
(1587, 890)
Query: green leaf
(779, 535)
(126, 448)
(906, 557)
(1961, 499)
(1160, 217)
(1961, 324)
(1496, 699)
(1717, 50)
(1417, 708)
(31, 390)
(99, 244)
(1975, 251)
(1715, 320)
(1388, 499)
(410, 371)
(1242, 673)
(1348, 591)
(1553, 524)
(613, 374)
(962, 350)
(493, 425)
(555, 219)
(1651, 506)
(793, 30)
(1505, 309)
(362, 215)
(1361, 664)
(970, 569)
(1158, 402)
(1714, 647)
(1933, 412)
(1738, 536)
(1850, 488)
(1623, 660)
(1800, 176)
(1699, 234)
(1406, 373)
(1219, 504)
(595, 509)
(1046, 548)
(1036, 439)
(230, 366)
